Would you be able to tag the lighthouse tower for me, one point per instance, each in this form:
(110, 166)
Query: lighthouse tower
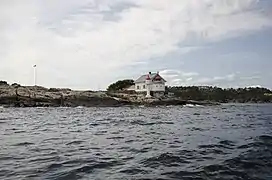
(148, 85)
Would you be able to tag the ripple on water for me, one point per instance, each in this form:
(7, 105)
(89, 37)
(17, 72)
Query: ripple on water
(266, 139)
(23, 144)
(3, 120)
(75, 143)
(101, 132)
(165, 159)
(45, 158)
(133, 171)
(233, 142)
(78, 172)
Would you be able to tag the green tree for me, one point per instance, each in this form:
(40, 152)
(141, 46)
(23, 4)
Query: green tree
(222, 95)
(121, 85)
(3, 83)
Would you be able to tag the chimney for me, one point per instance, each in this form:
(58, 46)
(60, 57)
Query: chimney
(148, 77)
(157, 72)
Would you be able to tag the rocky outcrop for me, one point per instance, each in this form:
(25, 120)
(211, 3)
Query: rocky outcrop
(14, 96)
(140, 99)
(29, 96)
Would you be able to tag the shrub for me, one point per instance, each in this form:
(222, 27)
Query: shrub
(16, 85)
(3, 83)
(54, 90)
(120, 85)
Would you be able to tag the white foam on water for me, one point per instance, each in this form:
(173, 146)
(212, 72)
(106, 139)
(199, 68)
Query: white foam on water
(189, 105)
(192, 105)
(80, 107)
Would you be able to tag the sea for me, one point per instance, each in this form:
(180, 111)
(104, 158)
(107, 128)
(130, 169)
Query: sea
(226, 142)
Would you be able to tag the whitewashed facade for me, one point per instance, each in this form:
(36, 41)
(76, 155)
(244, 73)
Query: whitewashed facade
(151, 83)
(155, 87)
(140, 87)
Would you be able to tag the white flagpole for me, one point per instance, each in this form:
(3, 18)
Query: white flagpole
(35, 75)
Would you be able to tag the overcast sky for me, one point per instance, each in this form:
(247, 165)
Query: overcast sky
(87, 44)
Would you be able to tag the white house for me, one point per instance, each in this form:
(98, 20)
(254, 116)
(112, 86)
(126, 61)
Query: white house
(151, 83)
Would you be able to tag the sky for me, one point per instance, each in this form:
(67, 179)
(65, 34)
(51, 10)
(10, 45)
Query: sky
(88, 44)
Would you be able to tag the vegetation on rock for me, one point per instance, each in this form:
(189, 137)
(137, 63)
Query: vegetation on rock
(4, 83)
(240, 95)
(32, 96)
(16, 85)
(120, 85)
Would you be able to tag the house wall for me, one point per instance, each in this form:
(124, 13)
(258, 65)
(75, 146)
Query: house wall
(141, 87)
(158, 87)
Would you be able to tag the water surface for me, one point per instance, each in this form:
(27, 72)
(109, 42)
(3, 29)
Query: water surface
(221, 142)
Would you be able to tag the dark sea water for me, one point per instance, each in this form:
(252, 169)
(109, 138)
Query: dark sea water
(220, 142)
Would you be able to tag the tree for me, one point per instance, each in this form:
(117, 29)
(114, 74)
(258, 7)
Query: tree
(120, 85)
(16, 85)
(3, 83)
(222, 95)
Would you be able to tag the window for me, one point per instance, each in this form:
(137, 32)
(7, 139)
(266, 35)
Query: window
(143, 86)
(138, 87)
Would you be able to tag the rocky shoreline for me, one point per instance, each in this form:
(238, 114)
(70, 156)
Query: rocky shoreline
(36, 96)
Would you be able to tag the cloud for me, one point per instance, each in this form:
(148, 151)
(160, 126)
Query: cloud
(251, 77)
(255, 86)
(179, 78)
(217, 79)
(84, 43)
(170, 72)
(176, 77)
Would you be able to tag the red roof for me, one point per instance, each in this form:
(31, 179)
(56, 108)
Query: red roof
(157, 77)
(148, 77)
(152, 76)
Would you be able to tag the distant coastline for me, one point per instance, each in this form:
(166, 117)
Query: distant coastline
(221, 95)
(36, 96)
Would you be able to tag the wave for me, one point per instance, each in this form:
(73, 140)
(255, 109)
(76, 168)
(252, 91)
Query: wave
(192, 105)
(80, 107)
(147, 143)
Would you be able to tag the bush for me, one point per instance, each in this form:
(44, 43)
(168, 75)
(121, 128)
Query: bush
(16, 85)
(120, 85)
(54, 90)
(3, 83)
(222, 95)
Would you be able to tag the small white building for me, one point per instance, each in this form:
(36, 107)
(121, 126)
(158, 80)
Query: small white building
(151, 83)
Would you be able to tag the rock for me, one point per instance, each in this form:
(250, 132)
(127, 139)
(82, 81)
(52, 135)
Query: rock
(36, 96)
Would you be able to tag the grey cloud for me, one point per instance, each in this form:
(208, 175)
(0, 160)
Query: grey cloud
(80, 40)
(177, 78)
